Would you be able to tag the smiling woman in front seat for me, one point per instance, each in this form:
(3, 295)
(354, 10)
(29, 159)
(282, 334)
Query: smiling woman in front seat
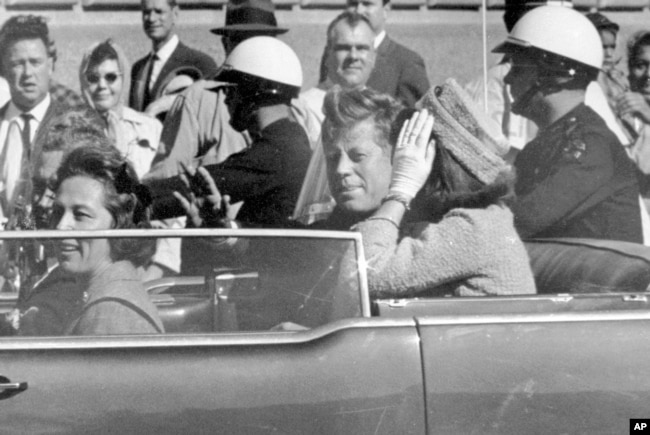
(98, 190)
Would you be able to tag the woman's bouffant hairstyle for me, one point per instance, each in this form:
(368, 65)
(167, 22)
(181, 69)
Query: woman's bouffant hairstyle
(74, 129)
(124, 197)
(346, 108)
(451, 186)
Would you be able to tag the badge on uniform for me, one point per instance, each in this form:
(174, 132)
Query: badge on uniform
(575, 149)
(575, 146)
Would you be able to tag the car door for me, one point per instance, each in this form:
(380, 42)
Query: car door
(573, 373)
(351, 374)
(565, 363)
(354, 376)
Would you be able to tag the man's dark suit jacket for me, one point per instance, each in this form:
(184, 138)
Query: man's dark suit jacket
(399, 72)
(54, 109)
(182, 56)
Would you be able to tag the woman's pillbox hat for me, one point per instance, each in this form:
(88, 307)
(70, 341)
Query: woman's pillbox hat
(474, 139)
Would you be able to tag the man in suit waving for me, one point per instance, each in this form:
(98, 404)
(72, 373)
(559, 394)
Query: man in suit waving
(167, 57)
(399, 71)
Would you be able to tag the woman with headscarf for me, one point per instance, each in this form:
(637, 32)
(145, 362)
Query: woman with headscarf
(104, 78)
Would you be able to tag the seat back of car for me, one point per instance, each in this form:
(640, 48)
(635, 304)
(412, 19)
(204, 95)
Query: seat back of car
(588, 266)
(572, 275)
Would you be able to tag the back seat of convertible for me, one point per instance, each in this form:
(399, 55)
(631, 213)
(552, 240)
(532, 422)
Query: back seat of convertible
(572, 275)
(589, 266)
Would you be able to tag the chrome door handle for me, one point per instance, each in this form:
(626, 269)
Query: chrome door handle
(9, 389)
(13, 386)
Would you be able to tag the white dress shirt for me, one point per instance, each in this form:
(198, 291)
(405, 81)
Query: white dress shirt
(163, 55)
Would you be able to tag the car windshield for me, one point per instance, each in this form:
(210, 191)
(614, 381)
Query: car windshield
(68, 283)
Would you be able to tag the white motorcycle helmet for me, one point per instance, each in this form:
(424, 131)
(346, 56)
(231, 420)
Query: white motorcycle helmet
(263, 65)
(562, 40)
(266, 72)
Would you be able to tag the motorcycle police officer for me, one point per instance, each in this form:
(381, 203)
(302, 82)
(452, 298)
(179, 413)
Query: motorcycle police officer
(264, 75)
(574, 179)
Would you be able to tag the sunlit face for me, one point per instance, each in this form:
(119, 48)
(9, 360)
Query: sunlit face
(79, 205)
(351, 54)
(158, 20)
(358, 170)
(375, 10)
(104, 83)
(28, 69)
(640, 70)
(608, 39)
(45, 177)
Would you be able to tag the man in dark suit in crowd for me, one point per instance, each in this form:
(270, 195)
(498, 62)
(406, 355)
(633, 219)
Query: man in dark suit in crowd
(168, 55)
(398, 71)
(27, 62)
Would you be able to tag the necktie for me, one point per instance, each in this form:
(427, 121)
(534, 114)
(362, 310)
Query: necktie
(26, 135)
(148, 83)
(16, 166)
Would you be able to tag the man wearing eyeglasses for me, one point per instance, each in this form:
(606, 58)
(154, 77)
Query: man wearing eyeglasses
(27, 60)
(150, 74)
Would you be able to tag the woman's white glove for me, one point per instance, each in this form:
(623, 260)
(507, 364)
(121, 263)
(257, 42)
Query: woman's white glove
(414, 154)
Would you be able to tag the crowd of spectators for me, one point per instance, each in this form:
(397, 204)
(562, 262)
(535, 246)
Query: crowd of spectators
(442, 192)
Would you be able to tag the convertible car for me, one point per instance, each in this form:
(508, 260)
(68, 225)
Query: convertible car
(273, 332)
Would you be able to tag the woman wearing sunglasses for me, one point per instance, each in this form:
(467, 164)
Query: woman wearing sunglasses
(104, 77)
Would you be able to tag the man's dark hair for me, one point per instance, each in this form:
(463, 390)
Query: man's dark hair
(21, 27)
(351, 18)
(345, 108)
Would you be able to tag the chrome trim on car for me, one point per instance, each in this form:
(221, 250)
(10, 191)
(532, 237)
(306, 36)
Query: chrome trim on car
(183, 232)
(586, 316)
(201, 340)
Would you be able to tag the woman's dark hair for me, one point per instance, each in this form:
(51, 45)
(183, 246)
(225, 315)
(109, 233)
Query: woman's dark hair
(125, 199)
(635, 44)
(74, 129)
(451, 186)
(103, 51)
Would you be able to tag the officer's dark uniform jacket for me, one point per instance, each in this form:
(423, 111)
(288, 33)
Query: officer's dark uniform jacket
(267, 177)
(575, 180)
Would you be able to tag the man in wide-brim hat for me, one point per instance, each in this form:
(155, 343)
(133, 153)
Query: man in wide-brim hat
(197, 128)
(246, 18)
